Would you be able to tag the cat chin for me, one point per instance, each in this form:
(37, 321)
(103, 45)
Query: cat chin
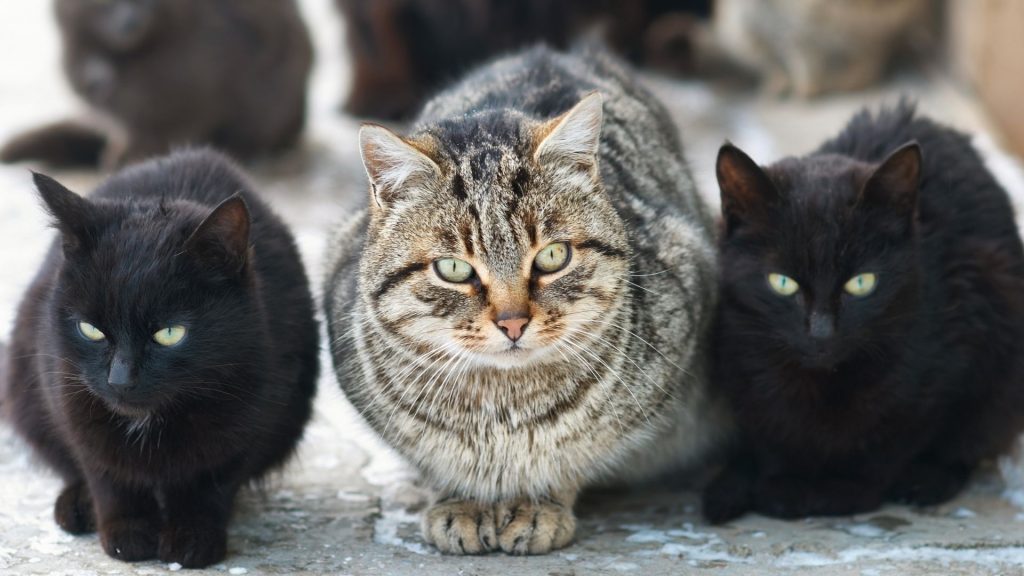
(513, 358)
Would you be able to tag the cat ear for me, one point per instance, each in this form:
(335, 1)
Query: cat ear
(391, 163)
(222, 240)
(894, 184)
(75, 216)
(573, 138)
(746, 191)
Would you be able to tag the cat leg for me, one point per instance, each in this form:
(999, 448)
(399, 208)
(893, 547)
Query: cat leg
(536, 527)
(73, 509)
(128, 519)
(793, 497)
(195, 531)
(460, 526)
(926, 483)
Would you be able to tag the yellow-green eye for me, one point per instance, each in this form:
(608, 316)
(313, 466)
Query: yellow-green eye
(783, 285)
(552, 258)
(90, 332)
(861, 284)
(453, 269)
(169, 336)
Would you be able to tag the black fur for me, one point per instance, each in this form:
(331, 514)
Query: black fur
(846, 402)
(153, 442)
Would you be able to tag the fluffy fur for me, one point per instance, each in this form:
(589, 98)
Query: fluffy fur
(607, 381)
(402, 51)
(165, 73)
(848, 401)
(810, 47)
(154, 441)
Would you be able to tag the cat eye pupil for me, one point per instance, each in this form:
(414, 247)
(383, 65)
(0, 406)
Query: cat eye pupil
(552, 258)
(90, 332)
(453, 270)
(169, 336)
(782, 285)
(861, 284)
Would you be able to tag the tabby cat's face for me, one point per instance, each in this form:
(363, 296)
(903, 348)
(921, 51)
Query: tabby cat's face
(492, 240)
(153, 304)
(819, 256)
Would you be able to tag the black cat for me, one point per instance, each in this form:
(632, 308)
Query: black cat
(871, 326)
(167, 73)
(165, 355)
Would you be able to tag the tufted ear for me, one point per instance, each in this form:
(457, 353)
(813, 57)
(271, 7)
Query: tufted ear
(746, 191)
(392, 163)
(74, 216)
(894, 184)
(221, 241)
(572, 139)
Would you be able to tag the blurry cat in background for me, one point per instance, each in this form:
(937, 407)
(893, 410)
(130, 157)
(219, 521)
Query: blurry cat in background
(164, 356)
(404, 50)
(165, 73)
(522, 310)
(811, 47)
(871, 328)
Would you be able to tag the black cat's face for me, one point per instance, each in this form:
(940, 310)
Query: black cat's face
(153, 302)
(118, 25)
(819, 254)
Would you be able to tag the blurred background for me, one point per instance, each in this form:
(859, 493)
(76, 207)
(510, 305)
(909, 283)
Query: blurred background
(776, 77)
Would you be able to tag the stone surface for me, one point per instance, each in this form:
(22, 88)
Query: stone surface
(347, 505)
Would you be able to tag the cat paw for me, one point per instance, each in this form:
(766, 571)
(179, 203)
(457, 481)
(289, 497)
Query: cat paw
(193, 546)
(527, 527)
(460, 527)
(73, 510)
(926, 484)
(129, 539)
(725, 499)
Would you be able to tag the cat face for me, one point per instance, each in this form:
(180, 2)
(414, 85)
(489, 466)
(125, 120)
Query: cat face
(820, 253)
(153, 305)
(491, 238)
(117, 25)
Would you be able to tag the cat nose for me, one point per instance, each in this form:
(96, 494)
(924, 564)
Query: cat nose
(120, 375)
(821, 326)
(513, 325)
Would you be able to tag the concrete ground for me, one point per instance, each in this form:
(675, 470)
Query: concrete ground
(349, 506)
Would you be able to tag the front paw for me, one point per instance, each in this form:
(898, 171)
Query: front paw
(460, 527)
(527, 527)
(129, 539)
(193, 546)
(926, 484)
(726, 498)
(791, 497)
(73, 510)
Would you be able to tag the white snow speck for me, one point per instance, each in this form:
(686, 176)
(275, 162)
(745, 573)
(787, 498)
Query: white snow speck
(237, 570)
(174, 566)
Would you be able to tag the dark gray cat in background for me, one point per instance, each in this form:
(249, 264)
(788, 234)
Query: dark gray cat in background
(164, 73)
(522, 308)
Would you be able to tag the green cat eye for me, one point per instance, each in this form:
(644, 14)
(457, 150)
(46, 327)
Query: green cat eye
(861, 284)
(453, 269)
(169, 336)
(552, 258)
(90, 332)
(782, 285)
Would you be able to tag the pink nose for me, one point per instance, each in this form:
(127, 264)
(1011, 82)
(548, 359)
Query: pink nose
(513, 327)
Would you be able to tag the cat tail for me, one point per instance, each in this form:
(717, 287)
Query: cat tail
(64, 143)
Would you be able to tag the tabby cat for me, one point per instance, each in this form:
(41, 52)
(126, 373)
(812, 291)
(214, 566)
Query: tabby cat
(522, 308)
(146, 366)
(871, 327)
(165, 73)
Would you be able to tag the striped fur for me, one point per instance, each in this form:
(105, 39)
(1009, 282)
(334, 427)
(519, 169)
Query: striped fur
(610, 382)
